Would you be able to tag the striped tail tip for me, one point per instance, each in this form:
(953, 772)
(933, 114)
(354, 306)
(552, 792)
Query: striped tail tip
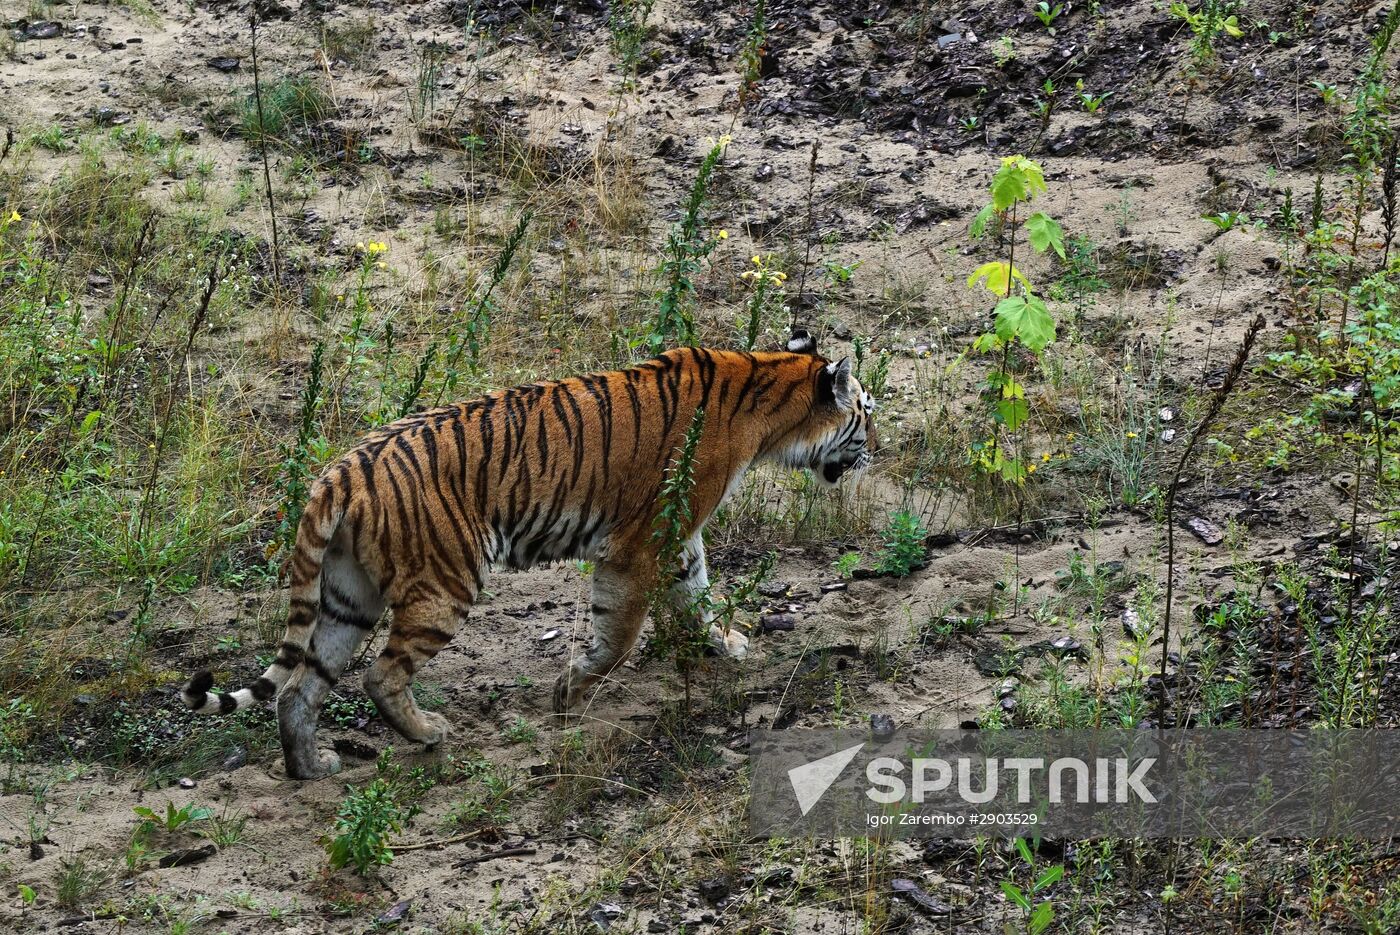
(200, 698)
(195, 694)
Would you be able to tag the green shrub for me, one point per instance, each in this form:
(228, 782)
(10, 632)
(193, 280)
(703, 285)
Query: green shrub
(904, 544)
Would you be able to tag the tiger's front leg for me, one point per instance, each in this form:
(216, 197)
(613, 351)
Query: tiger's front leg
(689, 593)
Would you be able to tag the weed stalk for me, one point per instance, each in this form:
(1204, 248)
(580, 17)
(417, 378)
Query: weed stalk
(1232, 377)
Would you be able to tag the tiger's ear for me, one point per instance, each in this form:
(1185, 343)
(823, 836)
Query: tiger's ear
(802, 342)
(834, 384)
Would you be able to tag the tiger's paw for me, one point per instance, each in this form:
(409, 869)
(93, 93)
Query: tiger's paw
(436, 729)
(327, 763)
(563, 693)
(731, 644)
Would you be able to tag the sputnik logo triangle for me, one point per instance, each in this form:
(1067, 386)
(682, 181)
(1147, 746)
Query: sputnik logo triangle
(811, 780)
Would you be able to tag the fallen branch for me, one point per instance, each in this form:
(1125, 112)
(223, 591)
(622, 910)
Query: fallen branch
(442, 842)
(493, 855)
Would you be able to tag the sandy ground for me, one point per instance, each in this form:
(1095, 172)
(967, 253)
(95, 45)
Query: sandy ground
(896, 184)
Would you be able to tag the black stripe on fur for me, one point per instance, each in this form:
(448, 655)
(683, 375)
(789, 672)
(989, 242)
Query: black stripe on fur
(197, 690)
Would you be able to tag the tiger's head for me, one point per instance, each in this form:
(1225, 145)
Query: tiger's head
(839, 434)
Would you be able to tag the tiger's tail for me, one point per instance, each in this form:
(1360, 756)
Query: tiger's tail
(319, 522)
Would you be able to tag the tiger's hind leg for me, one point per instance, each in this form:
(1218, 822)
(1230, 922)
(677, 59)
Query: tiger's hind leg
(619, 606)
(419, 630)
(350, 606)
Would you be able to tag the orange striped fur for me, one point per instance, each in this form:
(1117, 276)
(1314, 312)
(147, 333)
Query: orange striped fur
(413, 517)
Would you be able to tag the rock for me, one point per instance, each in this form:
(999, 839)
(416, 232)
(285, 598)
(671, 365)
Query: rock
(394, 914)
(882, 726)
(714, 889)
(948, 39)
(1205, 530)
(832, 586)
(188, 856)
(224, 63)
(47, 29)
(763, 173)
(1067, 646)
(915, 894)
(771, 623)
(1132, 624)
(775, 876)
(186, 783)
(1344, 481)
(236, 760)
(604, 915)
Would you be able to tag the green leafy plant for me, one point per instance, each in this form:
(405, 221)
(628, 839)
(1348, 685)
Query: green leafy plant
(676, 633)
(520, 731)
(368, 817)
(472, 335)
(1227, 220)
(1037, 917)
(1003, 51)
(1090, 102)
(1208, 23)
(1048, 14)
(174, 818)
(681, 257)
(1045, 107)
(298, 458)
(1023, 323)
(627, 27)
(766, 295)
(904, 537)
(840, 273)
(847, 563)
(751, 54)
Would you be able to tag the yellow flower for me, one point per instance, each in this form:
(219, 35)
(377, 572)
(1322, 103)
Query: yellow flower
(1045, 457)
(14, 217)
(756, 260)
(1030, 468)
(724, 235)
(1131, 435)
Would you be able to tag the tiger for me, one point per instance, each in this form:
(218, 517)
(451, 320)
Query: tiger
(413, 517)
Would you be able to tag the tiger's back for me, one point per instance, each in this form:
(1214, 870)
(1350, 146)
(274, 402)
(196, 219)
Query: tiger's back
(413, 516)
